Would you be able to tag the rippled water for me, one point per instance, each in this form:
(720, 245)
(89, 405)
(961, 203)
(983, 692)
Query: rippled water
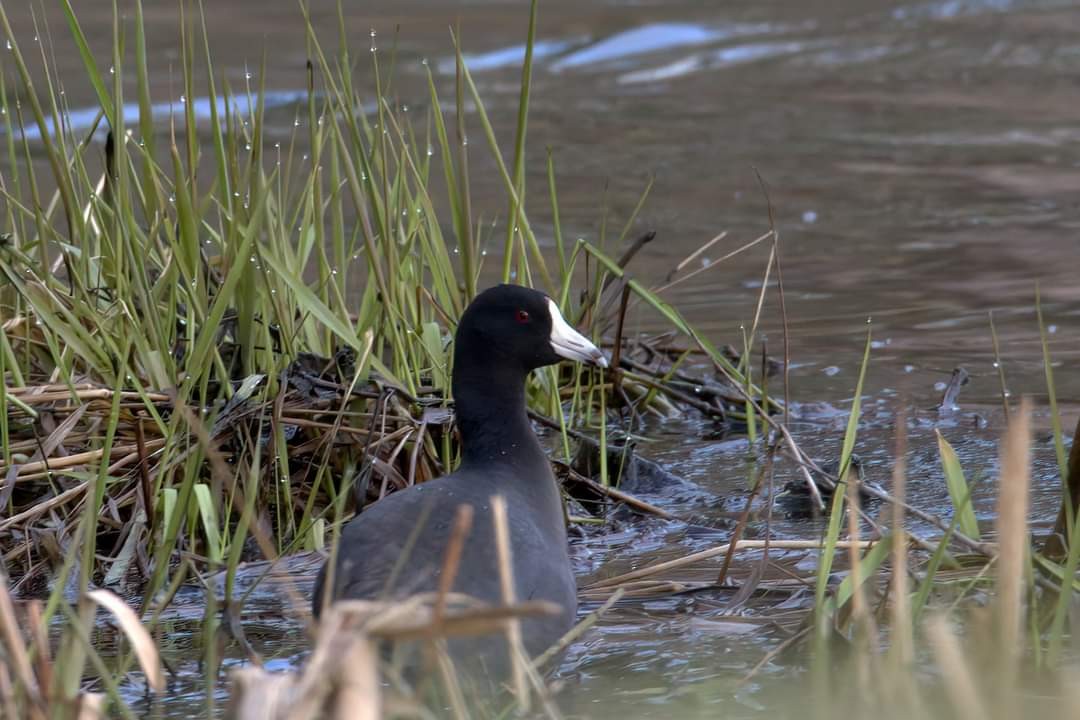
(923, 165)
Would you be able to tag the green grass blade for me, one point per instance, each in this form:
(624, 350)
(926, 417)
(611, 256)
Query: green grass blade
(959, 490)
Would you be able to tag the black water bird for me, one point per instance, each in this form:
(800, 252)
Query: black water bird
(400, 541)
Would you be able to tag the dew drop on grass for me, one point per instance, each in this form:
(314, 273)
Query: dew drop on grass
(333, 271)
(183, 99)
(430, 151)
(423, 61)
(112, 71)
(9, 44)
(996, 364)
(247, 74)
(247, 146)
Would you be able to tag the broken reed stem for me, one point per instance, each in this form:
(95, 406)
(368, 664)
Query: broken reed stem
(506, 586)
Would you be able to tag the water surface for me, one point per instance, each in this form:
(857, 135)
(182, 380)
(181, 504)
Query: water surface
(922, 161)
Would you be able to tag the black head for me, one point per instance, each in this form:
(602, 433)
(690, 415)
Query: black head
(521, 328)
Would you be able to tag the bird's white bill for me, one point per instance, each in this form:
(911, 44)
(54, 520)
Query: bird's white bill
(569, 343)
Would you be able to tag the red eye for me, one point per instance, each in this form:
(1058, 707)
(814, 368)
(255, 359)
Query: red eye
(522, 316)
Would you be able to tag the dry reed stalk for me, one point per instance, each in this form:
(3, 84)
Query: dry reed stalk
(340, 680)
(38, 389)
(819, 503)
(7, 693)
(40, 642)
(504, 553)
(358, 693)
(84, 395)
(720, 550)
(476, 621)
(258, 695)
(957, 675)
(902, 653)
(45, 506)
(864, 630)
(91, 706)
(15, 650)
(615, 494)
(451, 683)
(1013, 544)
(721, 259)
(83, 458)
(452, 559)
(577, 631)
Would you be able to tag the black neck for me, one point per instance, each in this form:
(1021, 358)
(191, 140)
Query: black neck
(489, 400)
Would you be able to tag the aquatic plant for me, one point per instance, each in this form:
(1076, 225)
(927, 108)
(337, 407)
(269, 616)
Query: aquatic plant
(214, 347)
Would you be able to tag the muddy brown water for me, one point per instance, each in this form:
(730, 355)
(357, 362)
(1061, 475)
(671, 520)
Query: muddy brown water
(923, 164)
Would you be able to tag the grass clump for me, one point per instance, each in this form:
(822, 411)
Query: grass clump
(215, 347)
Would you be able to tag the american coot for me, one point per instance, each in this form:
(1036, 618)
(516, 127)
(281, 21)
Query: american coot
(505, 333)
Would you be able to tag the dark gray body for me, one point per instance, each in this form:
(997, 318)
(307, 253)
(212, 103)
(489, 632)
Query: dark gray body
(374, 544)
